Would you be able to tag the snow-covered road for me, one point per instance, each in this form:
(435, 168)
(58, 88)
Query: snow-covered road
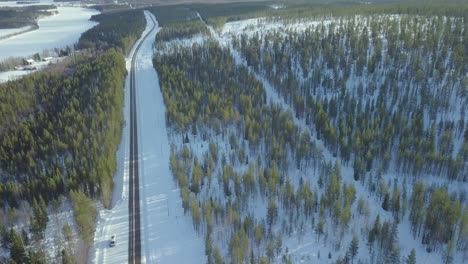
(167, 234)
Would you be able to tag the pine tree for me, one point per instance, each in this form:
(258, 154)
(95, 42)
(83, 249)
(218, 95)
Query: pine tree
(272, 212)
(447, 255)
(319, 228)
(17, 251)
(5, 237)
(417, 207)
(386, 202)
(36, 257)
(353, 248)
(411, 257)
(396, 203)
(375, 231)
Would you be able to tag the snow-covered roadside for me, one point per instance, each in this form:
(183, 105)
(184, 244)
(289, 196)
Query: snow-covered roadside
(168, 235)
(115, 221)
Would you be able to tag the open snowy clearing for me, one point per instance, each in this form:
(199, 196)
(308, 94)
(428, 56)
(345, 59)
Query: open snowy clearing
(15, 74)
(167, 234)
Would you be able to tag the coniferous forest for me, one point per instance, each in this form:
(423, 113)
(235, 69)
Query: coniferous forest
(300, 125)
(60, 130)
(332, 133)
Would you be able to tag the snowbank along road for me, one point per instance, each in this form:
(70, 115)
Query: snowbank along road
(157, 230)
(134, 242)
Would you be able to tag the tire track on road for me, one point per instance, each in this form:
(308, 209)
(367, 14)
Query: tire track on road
(134, 245)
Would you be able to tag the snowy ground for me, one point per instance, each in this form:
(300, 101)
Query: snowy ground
(55, 31)
(303, 245)
(167, 234)
(15, 74)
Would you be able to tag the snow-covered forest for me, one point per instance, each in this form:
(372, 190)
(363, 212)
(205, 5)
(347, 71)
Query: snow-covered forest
(332, 133)
(336, 137)
(60, 130)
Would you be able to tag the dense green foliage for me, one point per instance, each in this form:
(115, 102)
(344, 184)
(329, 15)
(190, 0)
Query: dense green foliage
(15, 17)
(216, 14)
(60, 131)
(118, 29)
(167, 15)
(220, 13)
(85, 215)
(109, 7)
(181, 30)
(427, 9)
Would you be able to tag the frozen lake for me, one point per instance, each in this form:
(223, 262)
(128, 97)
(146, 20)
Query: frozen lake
(55, 31)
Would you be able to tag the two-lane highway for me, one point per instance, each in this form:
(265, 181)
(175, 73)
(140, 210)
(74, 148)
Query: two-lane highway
(134, 229)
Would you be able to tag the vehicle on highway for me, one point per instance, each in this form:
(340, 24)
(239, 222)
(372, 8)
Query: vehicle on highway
(112, 242)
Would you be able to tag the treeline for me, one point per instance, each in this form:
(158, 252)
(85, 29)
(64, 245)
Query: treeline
(181, 30)
(110, 7)
(218, 14)
(167, 15)
(177, 22)
(215, 14)
(116, 29)
(434, 8)
(15, 17)
(60, 132)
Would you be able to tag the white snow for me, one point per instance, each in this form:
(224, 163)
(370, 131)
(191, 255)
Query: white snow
(303, 245)
(56, 31)
(263, 25)
(167, 234)
(16, 74)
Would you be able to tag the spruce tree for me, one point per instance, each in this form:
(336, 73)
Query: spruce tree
(17, 251)
(353, 248)
(411, 257)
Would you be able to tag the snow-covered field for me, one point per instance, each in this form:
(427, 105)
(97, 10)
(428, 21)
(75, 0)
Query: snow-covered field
(167, 234)
(55, 31)
(15, 74)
